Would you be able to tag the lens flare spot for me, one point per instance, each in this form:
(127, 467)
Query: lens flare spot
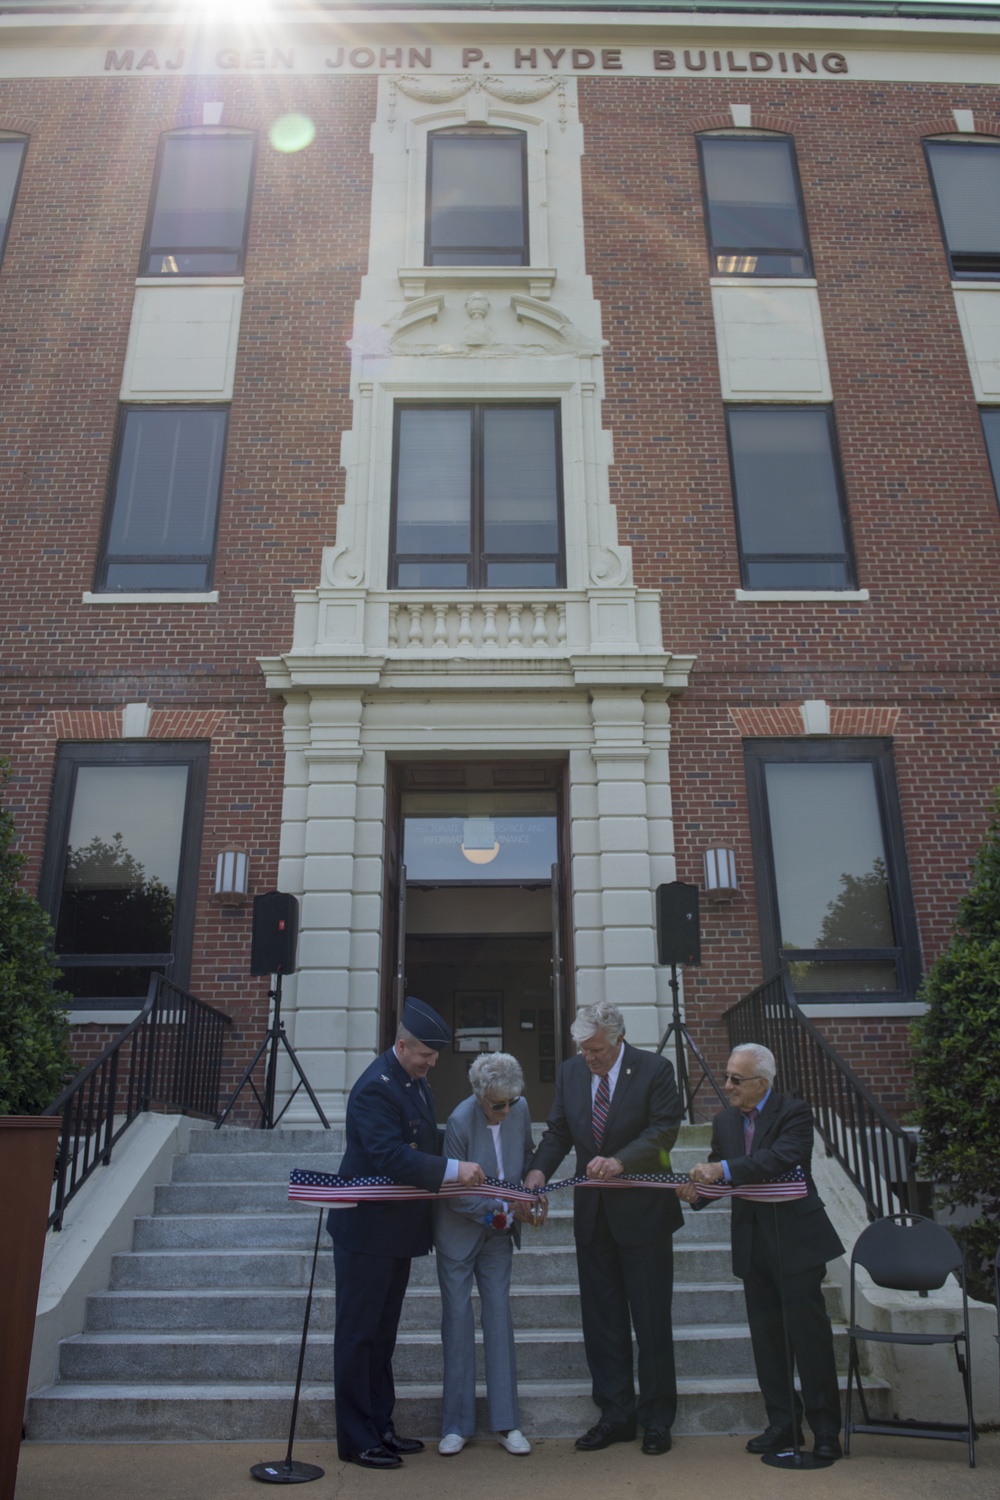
(292, 133)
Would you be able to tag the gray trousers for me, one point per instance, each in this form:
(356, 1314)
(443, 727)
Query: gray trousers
(491, 1268)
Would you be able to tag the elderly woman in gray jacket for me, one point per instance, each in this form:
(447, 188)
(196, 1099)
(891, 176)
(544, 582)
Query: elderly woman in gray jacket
(475, 1237)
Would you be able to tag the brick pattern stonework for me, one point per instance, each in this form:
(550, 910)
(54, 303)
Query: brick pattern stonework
(915, 662)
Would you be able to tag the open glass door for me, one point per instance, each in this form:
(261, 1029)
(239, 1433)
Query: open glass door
(479, 916)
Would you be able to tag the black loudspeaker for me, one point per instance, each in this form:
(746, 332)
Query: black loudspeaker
(275, 933)
(678, 932)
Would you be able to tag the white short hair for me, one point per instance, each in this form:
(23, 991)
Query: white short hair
(763, 1058)
(496, 1073)
(593, 1018)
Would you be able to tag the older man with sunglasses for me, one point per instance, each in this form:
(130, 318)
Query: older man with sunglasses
(780, 1252)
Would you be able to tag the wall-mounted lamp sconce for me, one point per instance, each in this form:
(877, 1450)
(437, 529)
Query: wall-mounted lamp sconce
(721, 883)
(232, 878)
(479, 844)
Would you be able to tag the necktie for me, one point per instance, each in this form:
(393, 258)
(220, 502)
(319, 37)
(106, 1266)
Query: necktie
(749, 1126)
(602, 1103)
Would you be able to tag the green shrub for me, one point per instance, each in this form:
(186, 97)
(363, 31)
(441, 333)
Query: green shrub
(957, 1066)
(34, 1051)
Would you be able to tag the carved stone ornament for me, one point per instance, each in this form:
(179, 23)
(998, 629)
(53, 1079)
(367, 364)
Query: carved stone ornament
(477, 331)
(446, 90)
(609, 566)
(522, 325)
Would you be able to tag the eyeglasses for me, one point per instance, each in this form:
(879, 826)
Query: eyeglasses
(502, 1103)
(735, 1078)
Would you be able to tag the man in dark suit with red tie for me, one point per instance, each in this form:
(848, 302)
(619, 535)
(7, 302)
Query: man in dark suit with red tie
(780, 1251)
(618, 1108)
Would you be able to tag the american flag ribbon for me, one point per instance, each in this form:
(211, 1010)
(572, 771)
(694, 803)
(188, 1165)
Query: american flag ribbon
(326, 1187)
(775, 1190)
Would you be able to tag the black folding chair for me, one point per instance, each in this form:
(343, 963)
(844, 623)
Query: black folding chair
(908, 1254)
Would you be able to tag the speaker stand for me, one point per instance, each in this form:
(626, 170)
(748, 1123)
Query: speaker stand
(274, 1038)
(680, 1033)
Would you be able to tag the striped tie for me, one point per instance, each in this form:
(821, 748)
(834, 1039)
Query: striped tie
(602, 1103)
(749, 1126)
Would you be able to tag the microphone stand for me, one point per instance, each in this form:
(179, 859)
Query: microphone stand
(288, 1470)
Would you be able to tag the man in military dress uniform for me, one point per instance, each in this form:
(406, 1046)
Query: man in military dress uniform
(391, 1132)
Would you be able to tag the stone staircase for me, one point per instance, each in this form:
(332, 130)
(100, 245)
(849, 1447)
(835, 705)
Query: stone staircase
(198, 1336)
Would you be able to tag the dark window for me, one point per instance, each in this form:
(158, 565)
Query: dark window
(831, 871)
(477, 497)
(160, 532)
(477, 198)
(966, 178)
(121, 865)
(11, 161)
(200, 207)
(790, 512)
(991, 430)
(753, 206)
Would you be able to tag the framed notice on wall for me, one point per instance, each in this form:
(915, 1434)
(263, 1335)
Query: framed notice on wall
(478, 1024)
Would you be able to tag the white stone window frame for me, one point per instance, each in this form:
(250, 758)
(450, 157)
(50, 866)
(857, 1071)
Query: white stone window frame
(477, 108)
(581, 518)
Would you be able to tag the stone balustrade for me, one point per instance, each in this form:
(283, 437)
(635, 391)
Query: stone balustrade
(431, 621)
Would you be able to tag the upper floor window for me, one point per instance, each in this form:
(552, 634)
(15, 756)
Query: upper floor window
(477, 497)
(966, 178)
(477, 197)
(121, 865)
(991, 431)
(753, 206)
(790, 511)
(834, 894)
(12, 149)
(167, 473)
(200, 205)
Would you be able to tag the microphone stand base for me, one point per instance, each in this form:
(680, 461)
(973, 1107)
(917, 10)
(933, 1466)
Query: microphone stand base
(283, 1472)
(793, 1459)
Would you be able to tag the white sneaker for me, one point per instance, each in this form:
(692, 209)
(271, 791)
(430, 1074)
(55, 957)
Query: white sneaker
(453, 1442)
(515, 1441)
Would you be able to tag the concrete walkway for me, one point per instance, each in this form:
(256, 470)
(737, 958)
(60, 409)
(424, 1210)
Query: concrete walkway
(696, 1469)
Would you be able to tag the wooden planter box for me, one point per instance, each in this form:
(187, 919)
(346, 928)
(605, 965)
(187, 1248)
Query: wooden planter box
(27, 1161)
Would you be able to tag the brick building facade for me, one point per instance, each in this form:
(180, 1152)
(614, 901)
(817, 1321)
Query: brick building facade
(636, 504)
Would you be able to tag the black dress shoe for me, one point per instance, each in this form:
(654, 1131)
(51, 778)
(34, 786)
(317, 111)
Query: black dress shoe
(396, 1444)
(827, 1445)
(657, 1440)
(604, 1434)
(375, 1458)
(773, 1440)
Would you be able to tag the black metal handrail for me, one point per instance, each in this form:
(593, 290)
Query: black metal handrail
(169, 1057)
(875, 1152)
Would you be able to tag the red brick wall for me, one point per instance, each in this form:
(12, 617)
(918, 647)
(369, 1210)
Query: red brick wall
(66, 293)
(917, 661)
(921, 652)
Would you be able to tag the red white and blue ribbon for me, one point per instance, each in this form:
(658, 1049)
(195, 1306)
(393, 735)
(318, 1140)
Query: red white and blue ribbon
(326, 1187)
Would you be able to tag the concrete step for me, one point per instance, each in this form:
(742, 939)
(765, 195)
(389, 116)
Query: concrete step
(198, 1337)
(251, 1166)
(721, 1351)
(217, 1412)
(272, 1309)
(293, 1226)
(187, 1268)
(235, 1139)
